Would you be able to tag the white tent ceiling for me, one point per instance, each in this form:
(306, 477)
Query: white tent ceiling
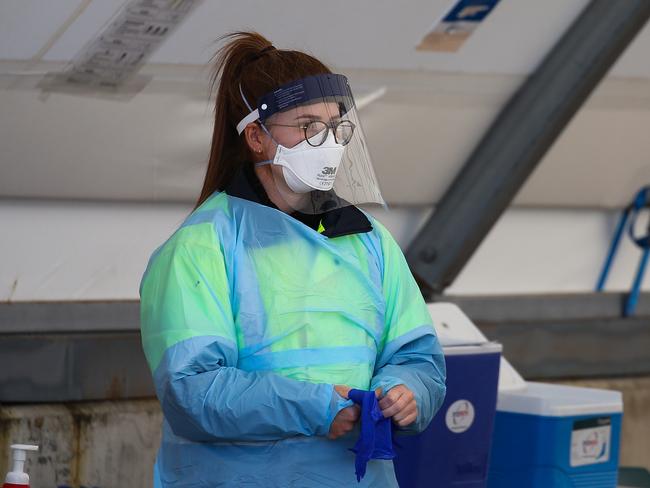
(361, 34)
(437, 106)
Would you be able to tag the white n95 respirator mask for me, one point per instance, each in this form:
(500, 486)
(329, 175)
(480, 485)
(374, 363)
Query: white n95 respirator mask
(307, 168)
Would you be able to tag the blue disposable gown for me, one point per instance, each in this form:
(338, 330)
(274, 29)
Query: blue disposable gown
(249, 317)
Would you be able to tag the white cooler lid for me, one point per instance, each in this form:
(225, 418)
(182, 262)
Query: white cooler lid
(453, 327)
(486, 348)
(551, 400)
(455, 330)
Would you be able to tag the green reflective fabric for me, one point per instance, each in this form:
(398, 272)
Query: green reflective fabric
(293, 301)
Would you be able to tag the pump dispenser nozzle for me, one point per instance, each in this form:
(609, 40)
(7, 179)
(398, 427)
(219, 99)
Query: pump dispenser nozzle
(17, 476)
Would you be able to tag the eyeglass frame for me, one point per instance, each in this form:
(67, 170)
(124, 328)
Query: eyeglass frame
(329, 126)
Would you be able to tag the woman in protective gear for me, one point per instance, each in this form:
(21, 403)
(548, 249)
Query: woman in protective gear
(278, 294)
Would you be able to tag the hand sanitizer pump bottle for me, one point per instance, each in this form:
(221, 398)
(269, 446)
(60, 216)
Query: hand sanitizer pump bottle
(17, 478)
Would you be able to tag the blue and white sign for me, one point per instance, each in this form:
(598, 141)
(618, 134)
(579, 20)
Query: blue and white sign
(470, 11)
(457, 25)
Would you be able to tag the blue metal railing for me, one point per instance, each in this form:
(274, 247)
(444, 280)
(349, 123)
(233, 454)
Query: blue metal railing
(628, 219)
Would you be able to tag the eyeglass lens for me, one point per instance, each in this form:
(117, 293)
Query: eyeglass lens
(316, 132)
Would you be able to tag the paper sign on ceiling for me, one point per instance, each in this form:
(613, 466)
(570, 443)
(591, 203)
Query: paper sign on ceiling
(455, 27)
(127, 41)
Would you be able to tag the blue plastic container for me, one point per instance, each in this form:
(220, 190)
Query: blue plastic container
(455, 449)
(556, 436)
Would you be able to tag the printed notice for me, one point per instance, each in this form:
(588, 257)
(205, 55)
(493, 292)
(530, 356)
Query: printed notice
(590, 441)
(127, 41)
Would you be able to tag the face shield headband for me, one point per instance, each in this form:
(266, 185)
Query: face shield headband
(299, 92)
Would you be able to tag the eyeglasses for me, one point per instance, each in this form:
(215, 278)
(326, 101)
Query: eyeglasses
(316, 131)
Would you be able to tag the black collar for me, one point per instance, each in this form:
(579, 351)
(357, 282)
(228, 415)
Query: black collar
(338, 222)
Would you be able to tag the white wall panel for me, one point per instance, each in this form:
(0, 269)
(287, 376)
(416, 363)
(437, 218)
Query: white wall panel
(78, 251)
(53, 250)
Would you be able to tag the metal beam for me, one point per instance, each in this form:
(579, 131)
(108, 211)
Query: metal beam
(66, 367)
(565, 336)
(520, 136)
(53, 317)
(58, 352)
(548, 308)
(575, 349)
(72, 351)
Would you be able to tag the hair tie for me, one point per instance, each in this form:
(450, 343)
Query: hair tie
(256, 57)
(262, 53)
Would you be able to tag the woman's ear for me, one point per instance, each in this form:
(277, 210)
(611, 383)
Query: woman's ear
(254, 138)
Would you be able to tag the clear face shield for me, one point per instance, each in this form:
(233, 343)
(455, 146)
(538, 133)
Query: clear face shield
(321, 159)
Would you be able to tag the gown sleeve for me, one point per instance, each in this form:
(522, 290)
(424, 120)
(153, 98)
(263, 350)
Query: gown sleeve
(410, 353)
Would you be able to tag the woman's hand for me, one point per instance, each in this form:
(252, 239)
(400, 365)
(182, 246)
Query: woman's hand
(399, 403)
(346, 418)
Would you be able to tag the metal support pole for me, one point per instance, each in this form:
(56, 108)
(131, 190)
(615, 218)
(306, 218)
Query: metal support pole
(522, 133)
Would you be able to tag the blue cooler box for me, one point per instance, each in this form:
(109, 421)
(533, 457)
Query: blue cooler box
(455, 449)
(555, 436)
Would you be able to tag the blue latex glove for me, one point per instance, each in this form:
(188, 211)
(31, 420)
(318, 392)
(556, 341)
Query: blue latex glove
(375, 441)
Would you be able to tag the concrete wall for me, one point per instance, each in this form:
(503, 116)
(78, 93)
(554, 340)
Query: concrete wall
(113, 444)
(103, 444)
